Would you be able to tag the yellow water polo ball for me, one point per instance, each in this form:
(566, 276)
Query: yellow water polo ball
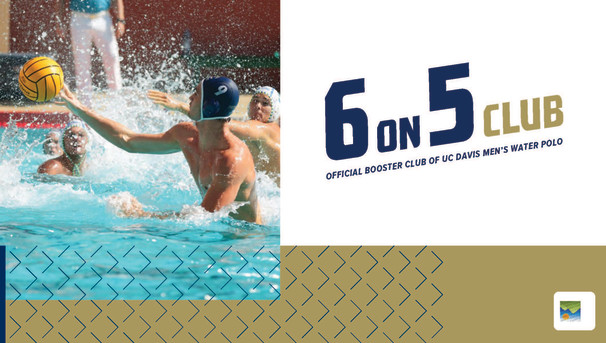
(41, 79)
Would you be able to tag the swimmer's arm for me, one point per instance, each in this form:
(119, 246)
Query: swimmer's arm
(128, 206)
(255, 131)
(249, 130)
(118, 134)
(222, 192)
(168, 102)
(143, 143)
(128, 140)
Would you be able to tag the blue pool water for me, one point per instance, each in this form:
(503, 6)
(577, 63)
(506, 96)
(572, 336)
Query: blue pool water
(65, 241)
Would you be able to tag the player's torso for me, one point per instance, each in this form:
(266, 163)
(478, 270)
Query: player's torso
(205, 165)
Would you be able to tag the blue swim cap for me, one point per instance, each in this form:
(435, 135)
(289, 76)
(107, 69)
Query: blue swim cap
(220, 97)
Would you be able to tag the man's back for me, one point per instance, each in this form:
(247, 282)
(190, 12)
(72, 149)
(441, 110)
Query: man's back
(222, 167)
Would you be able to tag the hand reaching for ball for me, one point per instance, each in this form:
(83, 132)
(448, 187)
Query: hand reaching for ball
(69, 100)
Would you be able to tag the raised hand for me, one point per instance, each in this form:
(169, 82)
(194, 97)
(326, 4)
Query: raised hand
(166, 101)
(69, 100)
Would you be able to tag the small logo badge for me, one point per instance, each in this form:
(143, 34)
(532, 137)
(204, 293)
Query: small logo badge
(574, 311)
(570, 311)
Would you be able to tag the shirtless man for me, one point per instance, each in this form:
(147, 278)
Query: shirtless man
(261, 132)
(72, 161)
(220, 163)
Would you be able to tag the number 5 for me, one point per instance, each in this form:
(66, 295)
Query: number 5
(459, 99)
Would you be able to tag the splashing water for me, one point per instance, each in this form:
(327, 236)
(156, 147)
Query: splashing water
(53, 214)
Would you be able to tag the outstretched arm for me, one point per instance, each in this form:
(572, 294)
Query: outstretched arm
(253, 130)
(118, 134)
(248, 130)
(126, 205)
(167, 101)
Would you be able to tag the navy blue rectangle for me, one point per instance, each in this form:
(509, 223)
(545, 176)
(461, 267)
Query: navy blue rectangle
(3, 293)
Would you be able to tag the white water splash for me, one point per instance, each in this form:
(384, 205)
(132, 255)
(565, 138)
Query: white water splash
(160, 182)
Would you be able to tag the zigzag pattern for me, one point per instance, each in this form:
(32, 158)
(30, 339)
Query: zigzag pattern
(141, 273)
(344, 294)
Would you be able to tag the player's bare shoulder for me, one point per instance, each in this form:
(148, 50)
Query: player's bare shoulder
(185, 128)
(52, 166)
(185, 132)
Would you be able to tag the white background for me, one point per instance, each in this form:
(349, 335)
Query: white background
(516, 50)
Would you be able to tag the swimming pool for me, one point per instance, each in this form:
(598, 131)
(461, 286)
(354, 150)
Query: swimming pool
(65, 241)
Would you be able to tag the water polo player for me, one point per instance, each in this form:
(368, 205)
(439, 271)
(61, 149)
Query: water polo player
(220, 162)
(261, 132)
(73, 160)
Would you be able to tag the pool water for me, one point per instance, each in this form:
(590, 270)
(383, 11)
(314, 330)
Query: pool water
(65, 239)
